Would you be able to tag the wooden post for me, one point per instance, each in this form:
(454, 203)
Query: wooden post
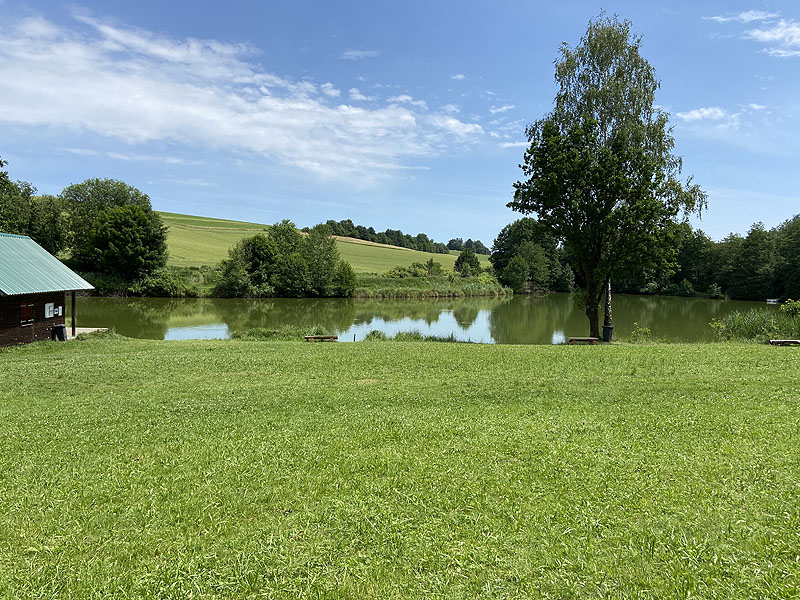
(73, 314)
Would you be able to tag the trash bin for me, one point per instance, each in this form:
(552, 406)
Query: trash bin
(607, 331)
(59, 333)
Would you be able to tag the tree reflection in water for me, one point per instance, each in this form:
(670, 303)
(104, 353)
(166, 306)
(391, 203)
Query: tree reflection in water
(506, 320)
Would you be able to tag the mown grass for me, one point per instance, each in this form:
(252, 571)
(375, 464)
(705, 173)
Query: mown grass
(239, 469)
(203, 241)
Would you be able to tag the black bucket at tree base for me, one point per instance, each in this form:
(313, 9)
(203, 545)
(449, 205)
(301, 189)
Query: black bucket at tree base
(59, 333)
(607, 331)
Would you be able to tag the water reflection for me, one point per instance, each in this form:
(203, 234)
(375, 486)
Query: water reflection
(518, 320)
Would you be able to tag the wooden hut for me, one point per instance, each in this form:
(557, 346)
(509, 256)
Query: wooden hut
(33, 291)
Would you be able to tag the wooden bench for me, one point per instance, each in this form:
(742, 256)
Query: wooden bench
(785, 342)
(582, 340)
(321, 338)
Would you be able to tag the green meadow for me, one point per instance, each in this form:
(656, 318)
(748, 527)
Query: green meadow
(197, 241)
(241, 469)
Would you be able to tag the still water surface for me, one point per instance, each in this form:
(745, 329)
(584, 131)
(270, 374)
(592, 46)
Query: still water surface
(516, 320)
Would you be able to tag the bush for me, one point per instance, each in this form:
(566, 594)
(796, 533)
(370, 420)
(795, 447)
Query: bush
(714, 291)
(163, 284)
(344, 280)
(467, 263)
(791, 308)
(640, 333)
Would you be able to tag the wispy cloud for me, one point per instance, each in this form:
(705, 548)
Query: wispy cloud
(514, 144)
(744, 17)
(450, 108)
(138, 87)
(359, 54)
(715, 113)
(406, 99)
(127, 157)
(781, 36)
(784, 37)
(754, 106)
(458, 76)
(501, 109)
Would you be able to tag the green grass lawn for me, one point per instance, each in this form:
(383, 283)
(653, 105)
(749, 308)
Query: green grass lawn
(227, 469)
(196, 241)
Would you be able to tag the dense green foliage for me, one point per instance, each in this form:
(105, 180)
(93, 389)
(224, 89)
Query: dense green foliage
(467, 264)
(459, 244)
(22, 212)
(107, 228)
(526, 258)
(427, 269)
(599, 172)
(126, 241)
(280, 470)
(393, 237)
(282, 263)
(763, 264)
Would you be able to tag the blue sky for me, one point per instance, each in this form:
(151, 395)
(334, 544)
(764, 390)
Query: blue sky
(405, 115)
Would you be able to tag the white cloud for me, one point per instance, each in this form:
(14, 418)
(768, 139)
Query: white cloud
(783, 35)
(501, 109)
(454, 125)
(406, 99)
(138, 87)
(458, 77)
(754, 106)
(515, 144)
(744, 17)
(450, 108)
(356, 95)
(714, 113)
(127, 157)
(359, 54)
(329, 90)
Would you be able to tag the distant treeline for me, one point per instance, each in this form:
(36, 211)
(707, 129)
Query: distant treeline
(763, 264)
(395, 237)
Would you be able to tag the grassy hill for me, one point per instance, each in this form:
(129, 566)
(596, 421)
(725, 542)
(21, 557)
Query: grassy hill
(197, 241)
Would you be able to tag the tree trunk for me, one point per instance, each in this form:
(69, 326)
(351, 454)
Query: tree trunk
(608, 320)
(593, 310)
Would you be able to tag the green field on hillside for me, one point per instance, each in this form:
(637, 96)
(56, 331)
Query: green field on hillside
(196, 241)
(234, 469)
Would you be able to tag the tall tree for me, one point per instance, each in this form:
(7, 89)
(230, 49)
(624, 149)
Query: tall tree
(86, 202)
(321, 255)
(600, 169)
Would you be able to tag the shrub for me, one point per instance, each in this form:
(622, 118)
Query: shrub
(714, 291)
(162, 284)
(467, 263)
(344, 280)
(791, 308)
(640, 333)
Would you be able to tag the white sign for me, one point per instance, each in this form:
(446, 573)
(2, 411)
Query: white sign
(49, 311)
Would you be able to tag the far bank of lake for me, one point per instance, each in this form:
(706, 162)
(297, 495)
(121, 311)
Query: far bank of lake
(506, 320)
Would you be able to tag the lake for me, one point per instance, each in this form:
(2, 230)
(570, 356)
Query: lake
(513, 320)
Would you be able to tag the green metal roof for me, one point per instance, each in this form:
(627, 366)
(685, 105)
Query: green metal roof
(27, 268)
